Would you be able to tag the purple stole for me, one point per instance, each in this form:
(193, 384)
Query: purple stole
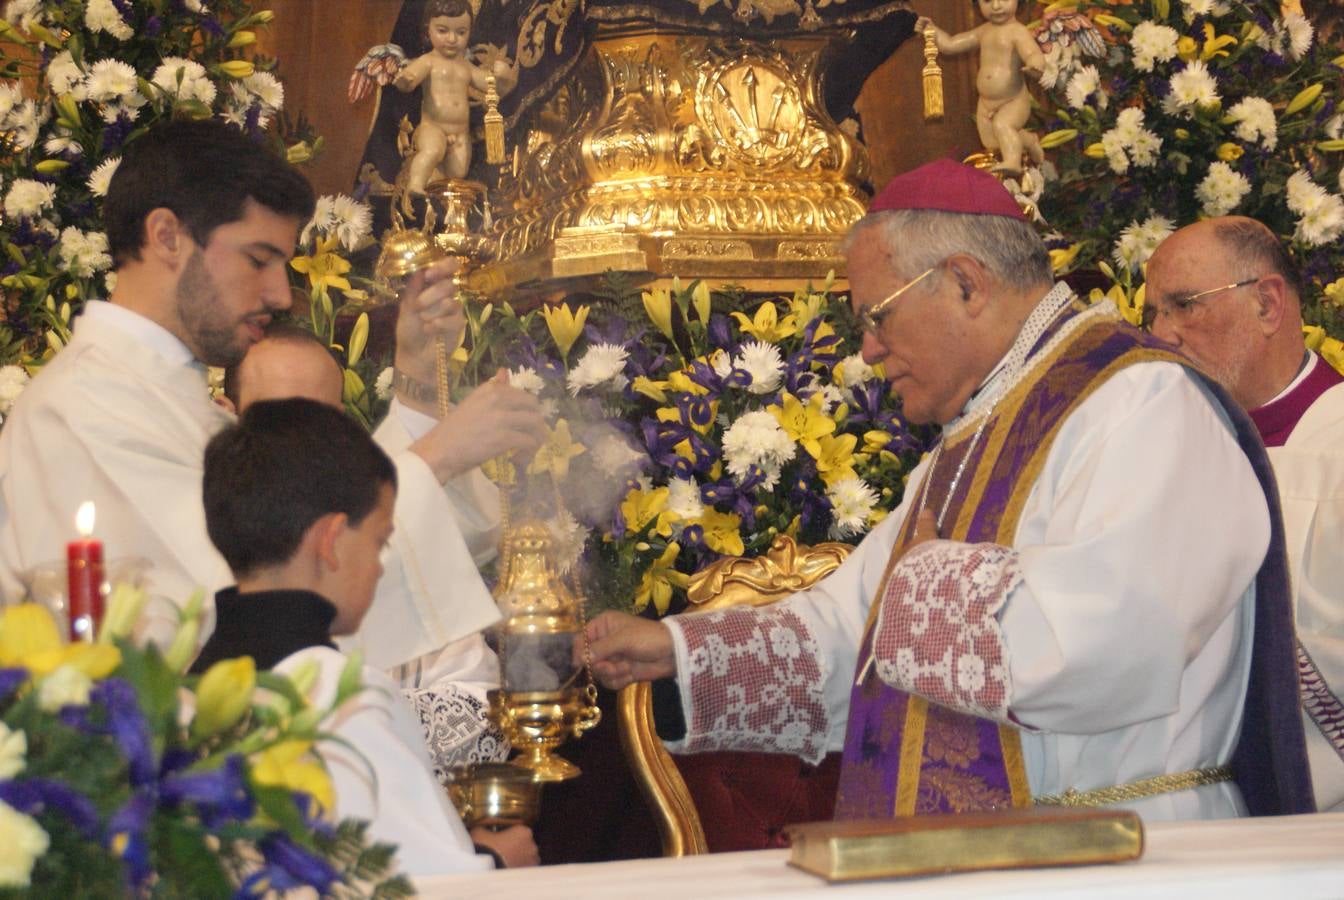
(904, 755)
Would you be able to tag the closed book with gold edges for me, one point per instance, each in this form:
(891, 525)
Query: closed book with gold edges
(1004, 839)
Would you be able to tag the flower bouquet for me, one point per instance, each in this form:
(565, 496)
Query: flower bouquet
(119, 776)
(1168, 111)
(697, 430)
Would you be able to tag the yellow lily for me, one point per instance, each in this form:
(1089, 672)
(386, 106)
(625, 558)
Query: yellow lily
(237, 68)
(1095, 151)
(836, 460)
(1312, 335)
(651, 389)
(324, 267)
(1229, 152)
(223, 696)
(640, 507)
(1060, 260)
(565, 326)
(359, 337)
(123, 611)
(659, 579)
(1215, 44)
(1187, 48)
(288, 765)
(1058, 138)
(702, 300)
(658, 304)
(1304, 98)
(555, 454)
(723, 532)
(766, 325)
(29, 637)
(1332, 351)
(805, 307)
(1334, 292)
(680, 381)
(804, 422)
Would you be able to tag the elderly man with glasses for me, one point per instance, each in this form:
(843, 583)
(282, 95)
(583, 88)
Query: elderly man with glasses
(1248, 335)
(1069, 603)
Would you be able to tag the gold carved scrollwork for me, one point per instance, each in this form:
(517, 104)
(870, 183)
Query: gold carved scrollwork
(706, 248)
(753, 110)
(784, 569)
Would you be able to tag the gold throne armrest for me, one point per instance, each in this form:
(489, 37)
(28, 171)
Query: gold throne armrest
(785, 569)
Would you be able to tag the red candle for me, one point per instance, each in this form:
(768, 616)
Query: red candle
(84, 568)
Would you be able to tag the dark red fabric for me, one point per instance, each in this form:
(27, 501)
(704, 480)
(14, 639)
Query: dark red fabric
(950, 186)
(746, 799)
(1277, 418)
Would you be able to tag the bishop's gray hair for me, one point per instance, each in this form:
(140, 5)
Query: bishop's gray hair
(918, 239)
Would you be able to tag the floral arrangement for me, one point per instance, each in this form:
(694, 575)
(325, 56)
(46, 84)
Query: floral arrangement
(1166, 111)
(697, 430)
(119, 776)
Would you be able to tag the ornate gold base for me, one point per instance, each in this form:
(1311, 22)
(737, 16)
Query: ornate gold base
(537, 723)
(495, 794)
(681, 155)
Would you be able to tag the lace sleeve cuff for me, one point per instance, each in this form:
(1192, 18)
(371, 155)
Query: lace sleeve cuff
(937, 634)
(751, 679)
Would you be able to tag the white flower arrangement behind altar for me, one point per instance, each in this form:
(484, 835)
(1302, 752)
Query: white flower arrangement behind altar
(1162, 112)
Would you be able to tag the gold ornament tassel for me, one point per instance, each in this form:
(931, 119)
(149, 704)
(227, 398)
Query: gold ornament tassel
(494, 124)
(933, 79)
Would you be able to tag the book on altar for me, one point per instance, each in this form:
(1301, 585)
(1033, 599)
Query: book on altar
(1003, 839)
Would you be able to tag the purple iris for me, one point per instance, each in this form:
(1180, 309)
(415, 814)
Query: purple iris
(288, 866)
(220, 795)
(36, 796)
(131, 823)
(10, 681)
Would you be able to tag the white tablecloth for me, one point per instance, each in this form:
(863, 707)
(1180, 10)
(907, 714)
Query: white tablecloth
(1294, 856)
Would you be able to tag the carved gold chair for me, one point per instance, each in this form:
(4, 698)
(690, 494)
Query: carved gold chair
(774, 789)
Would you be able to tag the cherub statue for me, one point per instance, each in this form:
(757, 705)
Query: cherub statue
(1007, 49)
(441, 145)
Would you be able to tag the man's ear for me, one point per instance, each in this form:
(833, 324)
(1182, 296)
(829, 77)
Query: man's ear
(323, 537)
(972, 281)
(1271, 303)
(166, 238)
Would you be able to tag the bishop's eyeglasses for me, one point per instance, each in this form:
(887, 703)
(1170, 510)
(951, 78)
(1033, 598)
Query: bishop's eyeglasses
(870, 317)
(1186, 307)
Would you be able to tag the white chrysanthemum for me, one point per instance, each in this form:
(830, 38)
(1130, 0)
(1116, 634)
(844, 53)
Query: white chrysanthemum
(756, 439)
(11, 95)
(763, 363)
(184, 79)
(1084, 83)
(195, 6)
(568, 537)
(13, 379)
(1114, 144)
(1297, 33)
(615, 455)
(382, 385)
(1303, 194)
(238, 105)
(267, 89)
(851, 371)
(101, 177)
(127, 108)
(1334, 126)
(683, 499)
(1144, 147)
(1191, 88)
(111, 80)
(1059, 62)
(101, 15)
(1321, 213)
(63, 74)
(62, 144)
(1139, 239)
(28, 198)
(526, 379)
(67, 686)
(13, 744)
(602, 364)
(25, 123)
(110, 281)
(1255, 121)
(84, 254)
(1221, 190)
(22, 841)
(1152, 43)
(354, 220)
(721, 363)
(852, 502)
(25, 13)
(1129, 123)
(1209, 9)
